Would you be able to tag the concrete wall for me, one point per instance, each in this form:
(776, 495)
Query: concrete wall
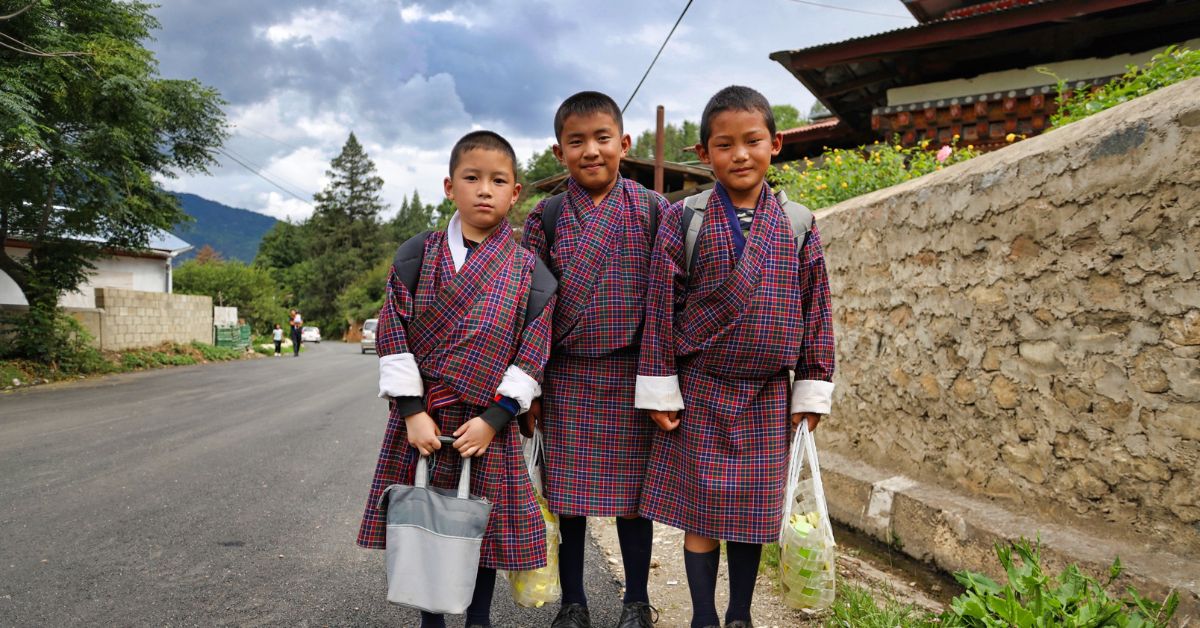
(131, 319)
(1025, 327)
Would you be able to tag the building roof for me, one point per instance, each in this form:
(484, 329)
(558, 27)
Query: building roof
(161, 244)
(960, 39)
(814, 138)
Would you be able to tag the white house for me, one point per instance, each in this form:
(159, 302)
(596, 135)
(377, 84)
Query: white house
(147, 271)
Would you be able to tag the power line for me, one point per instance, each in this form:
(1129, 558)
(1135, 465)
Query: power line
(258, 166)
(273, 139)
(660, 49)
(264, 177)
(848, 9)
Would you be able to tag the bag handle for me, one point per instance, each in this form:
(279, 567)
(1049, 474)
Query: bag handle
(804, 450)
(464, 480)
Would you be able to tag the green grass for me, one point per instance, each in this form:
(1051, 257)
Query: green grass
(97, 363)
(10, 371)
(856, 607)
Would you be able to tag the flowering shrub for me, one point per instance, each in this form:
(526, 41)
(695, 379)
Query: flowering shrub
(840, 174)
(1169, 66)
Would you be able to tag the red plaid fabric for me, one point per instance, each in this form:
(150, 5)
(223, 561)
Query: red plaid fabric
(463, 338)
(732, 327)
(596, 443)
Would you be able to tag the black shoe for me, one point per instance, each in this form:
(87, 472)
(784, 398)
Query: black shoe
(638, 615)
(739, 623)
(572, 616)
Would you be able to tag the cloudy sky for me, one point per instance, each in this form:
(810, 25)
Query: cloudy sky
(408, 78)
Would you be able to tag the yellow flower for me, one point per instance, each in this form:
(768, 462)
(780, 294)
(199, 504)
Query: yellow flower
(955, 138)
(939, 167)
(1011, 137)
(845, 185)
(818, 176)
(899, 147)
(924, 143)
(786, 167)
(970, 147)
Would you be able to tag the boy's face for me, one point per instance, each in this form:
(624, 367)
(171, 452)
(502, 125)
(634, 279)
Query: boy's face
(483, 188)
(739, 149)
(592, 147)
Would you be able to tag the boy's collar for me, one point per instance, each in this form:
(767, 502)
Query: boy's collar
(584, 191)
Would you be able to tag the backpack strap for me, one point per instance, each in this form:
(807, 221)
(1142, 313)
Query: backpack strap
(540, 290)
(652, 215)
(800, 217)
(691, 221)
(550, 213)
(408, 260)
(411, 255)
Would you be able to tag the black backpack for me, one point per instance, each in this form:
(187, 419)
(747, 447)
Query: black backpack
(411, 255)
(554, 207)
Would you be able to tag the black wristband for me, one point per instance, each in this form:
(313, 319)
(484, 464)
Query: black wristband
(497, 416)
(408, 406)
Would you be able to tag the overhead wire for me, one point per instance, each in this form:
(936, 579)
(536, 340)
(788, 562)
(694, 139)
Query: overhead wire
(852, 10)
(264, 177)
(258, 166)
(656, 56)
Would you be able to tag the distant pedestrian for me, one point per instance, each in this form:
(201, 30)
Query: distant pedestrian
(278, 339)
(297, 323)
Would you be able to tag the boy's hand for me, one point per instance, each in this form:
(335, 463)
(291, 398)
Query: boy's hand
(811, 417)
(667, 420)
(474, 436)
(530, 419)
(423, 433)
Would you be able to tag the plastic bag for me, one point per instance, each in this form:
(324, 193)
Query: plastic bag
(807, 552)
(537, 587)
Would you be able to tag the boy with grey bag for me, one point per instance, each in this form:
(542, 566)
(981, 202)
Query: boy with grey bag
(462, 339)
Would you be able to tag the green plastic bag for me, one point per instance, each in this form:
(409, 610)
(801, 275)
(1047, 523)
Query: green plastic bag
(807, 552)
(537, 587)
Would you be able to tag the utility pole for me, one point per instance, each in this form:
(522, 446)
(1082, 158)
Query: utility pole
(658, 151)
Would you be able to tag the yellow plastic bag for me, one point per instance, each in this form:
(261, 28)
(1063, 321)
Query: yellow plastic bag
(537, 587)
(807, 552)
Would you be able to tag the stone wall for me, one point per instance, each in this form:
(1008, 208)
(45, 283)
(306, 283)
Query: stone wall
(1026, 326)
(132, 318)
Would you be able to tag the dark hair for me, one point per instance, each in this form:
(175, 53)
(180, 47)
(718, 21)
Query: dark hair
(583, 104)
(735, 98)
(482, 140)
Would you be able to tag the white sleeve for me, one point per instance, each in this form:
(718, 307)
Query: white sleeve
(399, 376)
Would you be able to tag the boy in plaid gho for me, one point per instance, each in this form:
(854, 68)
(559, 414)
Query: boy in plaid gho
(458, 357)
(596, 443)
(720, 339)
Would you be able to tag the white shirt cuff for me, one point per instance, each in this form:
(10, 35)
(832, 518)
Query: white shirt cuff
(519, 386)
(657, 393)
(812, 395)
(399, 376)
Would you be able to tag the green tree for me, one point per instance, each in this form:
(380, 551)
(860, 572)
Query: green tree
(249, 288)
(413, 218)
(282, 253)
(87, 126)
(363, 298)
(442, 213)
(542, 165)
(818, 110)
(675, 140)
(787, 117)
(345, 237)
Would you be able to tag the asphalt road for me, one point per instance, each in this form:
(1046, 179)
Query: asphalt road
(213, 495)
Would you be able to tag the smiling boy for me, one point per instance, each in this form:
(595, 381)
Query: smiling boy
(596, 238)
(462, 354)
(725, 323)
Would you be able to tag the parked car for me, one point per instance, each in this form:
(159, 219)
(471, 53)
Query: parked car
(368, 334)
(310, 334)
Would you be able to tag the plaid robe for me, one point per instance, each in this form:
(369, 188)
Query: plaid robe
(464, 330)
(596, 443)
(733, 329)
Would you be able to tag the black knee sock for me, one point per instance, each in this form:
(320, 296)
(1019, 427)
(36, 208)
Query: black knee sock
(637, 537)
(480, 610)
(570, 559)
(701, 570)
(432, 620)
(743, 573)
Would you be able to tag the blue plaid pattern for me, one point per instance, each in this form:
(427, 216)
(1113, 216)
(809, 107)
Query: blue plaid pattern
(596, 443)
(734, 327)
(468, 354)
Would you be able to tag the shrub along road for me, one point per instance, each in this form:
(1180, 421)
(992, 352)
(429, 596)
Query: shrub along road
(221, 494)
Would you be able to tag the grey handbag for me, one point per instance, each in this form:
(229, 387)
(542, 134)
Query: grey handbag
(433, 541)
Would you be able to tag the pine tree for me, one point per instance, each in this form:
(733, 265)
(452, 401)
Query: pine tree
(413, 218)
(345, 237)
